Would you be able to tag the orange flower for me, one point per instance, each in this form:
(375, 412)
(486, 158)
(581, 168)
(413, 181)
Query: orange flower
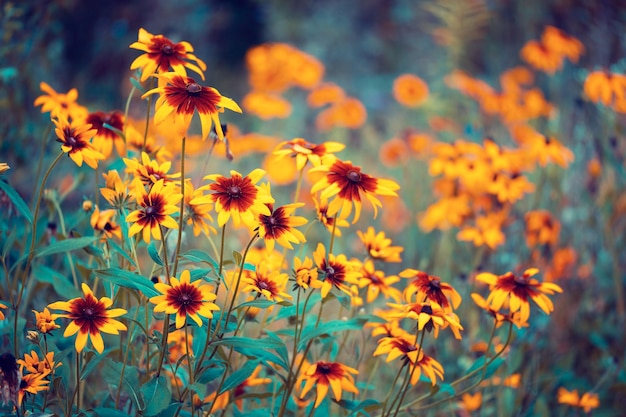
(606, 88)
(75, 138)
(486, 231)
(329, 222)
(335, 271)
(102, 222)
(539, 56)
(376, 283)
(430, 288)
(60, 105)
(149, 171)
(410, 90)
(154, 211)
(588, 401)
(512, 317)
(44, 321)
(105, 138)
(560, 42)
(180, 97)
(518, 290)
(541, 228)
(548, 54)
(270, 284)
(280, 226)
(379, 247)
(305, 151)
(161, 54)
(394, 152)
(1, 313)
(349, 113)
(324, 374)
(326, 93)
(266, 105)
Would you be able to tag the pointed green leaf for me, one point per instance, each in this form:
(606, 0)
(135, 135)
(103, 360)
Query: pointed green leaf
(248, 342)
(58, 281)
(66, 245)
(128, 279)
(19, 204)
(154, 254)
(330, 327)
(239, 376)
(156, 395)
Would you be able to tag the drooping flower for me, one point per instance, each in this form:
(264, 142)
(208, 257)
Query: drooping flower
(305, 151)
(270, 284)
(305, 274)
(334, 271)
(185, 299)
(32, 384)
(379, 247)
(197, 210)
(329, 222)
(116, 191)
(45, 321)
(60, 105)
(376, 282)
(280, 226)
(410, 90)
(252, 381)
(103, 223)
(323, 374)
(500, 318)
(154, 211)
(161, 55)
(33, 364)
(429, 315)
(150, 171)
(239, 197)
(348, 184)
(89, 317)
(425, 287)
(75, 138)
(180, 97)
(519, 290)
(105, 137)
(588, 401)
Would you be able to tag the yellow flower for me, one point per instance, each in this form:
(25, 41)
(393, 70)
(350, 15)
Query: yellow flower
(305, 151)
(588, 401)
(379, 247)
(376, 282)
(34, 365)
(60, 105)
(336, 271)
(428, 287)
(45, 321)
(305, 274)
(185, 299)
(150, 171)
(102, 221)
(280, 226)
(4, 167)
(90, 316)
(197, 210)
(180, 97)
(75, 138)
(32, 384)
(324, 374)
(270, 284)
(161, 54)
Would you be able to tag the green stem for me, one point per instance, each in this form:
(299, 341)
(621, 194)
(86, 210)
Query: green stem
(405, 388)
(236, 290)
(145, 133)
(182, 207)
(166, 322)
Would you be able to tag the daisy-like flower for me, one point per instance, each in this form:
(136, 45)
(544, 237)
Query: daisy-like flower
(499, 317)
(329, 222)
(116, 191)
(75, 138)
(305, 151)
(185, 299)
(305, 274)
(105, 137)
(347, 183)
(154, 211)
(149, 171)
(410, 90)
(197, 210)
(518, 290)
(34, 365)
(280, 226)
(45, 321)
(335, 271)
(102, 222)
(376, 283)
(180, 97)
(379, 247)
(430, 288)
(161, 55)
(89, 317)
(239, 197)
(324, 374)
(588, 401)
(270, 284)
(60, 105)
(429, 315)
(32, 384)
(1, 313)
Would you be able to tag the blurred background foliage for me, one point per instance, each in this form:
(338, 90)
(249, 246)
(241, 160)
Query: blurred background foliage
(364, 46)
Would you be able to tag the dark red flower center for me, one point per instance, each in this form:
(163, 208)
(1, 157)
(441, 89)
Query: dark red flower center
(167, 49)
(185, 297)
(194, 88)
(234, 191)
(88, 314)
(354, 176)
(71, 141)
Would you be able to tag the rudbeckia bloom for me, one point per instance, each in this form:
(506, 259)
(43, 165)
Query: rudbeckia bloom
(34, 365)
(405, 346)
(348, 183)
(324, 374)
(32, 384)
(239, 197)
(376, 282)
(60, 105)
(588, 401)
(45, 321)
(115, 190)
(149, 171)
(410, 90)
(102, 222)
(305, 151)
(329, 222)
(429, 316)
(197, 210)
(270, 284)
(379, 247)
(335, 271)
(181, 97)
(305, 274)
(161, 54)
(518, 290)
(154, 211)
(90, 316)
(75, 138)
(185, 299)
(280, 226)
(499, 317)
(430, 288)
(105, 138)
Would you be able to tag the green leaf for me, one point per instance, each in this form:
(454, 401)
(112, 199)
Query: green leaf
(128, 279)
(239, 376)
(257, 304)
(248, 342)
(130, 381)
(59, 282)
(109, 412)
(66, 245)
(121, 251)
(491, 368)
(8, 243)
(264, 356)
(154, 254)
(19, 204)
(156, 396)
(330, 327)
(196, 255)
(137, 84)
(94, 362)
(237, 257)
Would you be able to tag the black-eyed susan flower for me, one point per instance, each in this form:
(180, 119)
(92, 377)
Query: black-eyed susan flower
(588, 401)
(34, 365)
(4, 167)
(116, 191)
(376, 283)
(410, 90)
(197, 210)
(280, 226)
(154, 211)
(60, 105)
(541, 228)
(32, 384)
(239, 198)
(180, 97)
(305, 151)
(149, 171)
(161, 55)
(45, 321)
(429, 315)
(89, 317)
(268, 283)
(334, 271)
(305, 274)
(105, 137)
(519, 290)
(424, 287)
(102, 222)
(329, 222)
(323, 375)
(379, 247)
(76, 141)
(185, 299)
(500, 318)
(348, 184)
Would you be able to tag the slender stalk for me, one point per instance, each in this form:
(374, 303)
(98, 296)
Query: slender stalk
(166, 322)
(332, 235)
(405, 389)
(182, 207)
(44, 142)
(145, 132)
